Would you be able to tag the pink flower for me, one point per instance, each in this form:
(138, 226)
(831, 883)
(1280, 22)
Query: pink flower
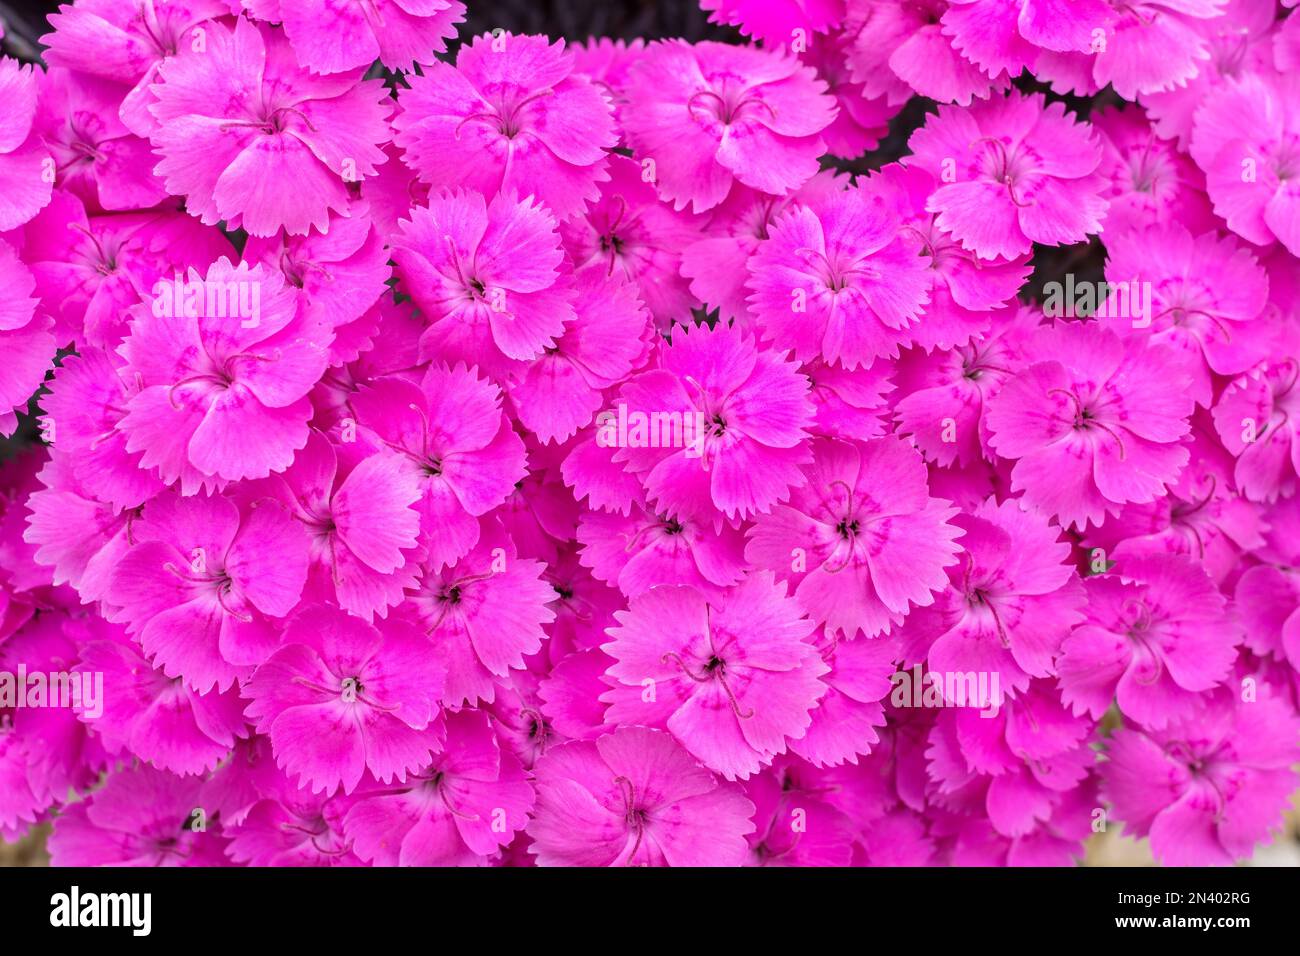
(126, 41)
(201, 580)
(1123, 59)
(1267, 595)
(1256, 419)
(747, 411)
(710, 115)
(850, 404)
(860, 122)
(26, 167)
(87, 400)
(963, 289)
(1012, 599)
(733, 678)
(845, 720)
(1237, 43)
(1093, 422)
(95, 155)
(646, 550)
(160, 720)
(635, 798)
(337, 274)
(1204, 516)
(1017, 765)
(1206, 790)
(1244, 138)
(225, 388)
(1007, 35)
(901, 48)
(483, 614)
(463, 808)
(512, 116)
(340, 698)
(1205, 290)
(945, 394)
(79, 538)
(1017, 171)
(330, 36)
(26, 339)
(793, 828)
(628, 228)
(140, 817)
(45, 751)
(489, 276)
(458, 446)
(1155, 639)
(291, 826)
(361, 522)
(716, 264)
(837, 280)
(1151, 183)
(862, 541)
(562, 389)
(249, 138)
(774, 22)
(91, 270)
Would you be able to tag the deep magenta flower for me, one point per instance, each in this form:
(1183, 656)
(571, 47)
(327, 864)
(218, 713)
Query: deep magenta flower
(733, 678)
(1206, 790)
(341, 697)
(862, 541)
(493, 451)
(711, 115)
(1013, 171)
(240, 115)
(635, 798)
(512, 116)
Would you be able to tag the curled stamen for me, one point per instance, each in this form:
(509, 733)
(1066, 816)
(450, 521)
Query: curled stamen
(676, 658)
(1156, 674)
(1196, 506)
(104, 256)
(212, 377)
(312, 685)
(340, 851)
(632, 815)
(636, 536)
(1002, 168)
(997, 619)
(691, 104)
(304, 829)
(224, 589)
(452, 808)
(480, 117)
(424, 428)
(622, 211)
(1215, 320)
(1141, 614)
(848, 559)
(1113, 433)
(1074, 400)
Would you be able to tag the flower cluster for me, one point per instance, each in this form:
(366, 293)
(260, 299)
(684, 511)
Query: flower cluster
(487, 450)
